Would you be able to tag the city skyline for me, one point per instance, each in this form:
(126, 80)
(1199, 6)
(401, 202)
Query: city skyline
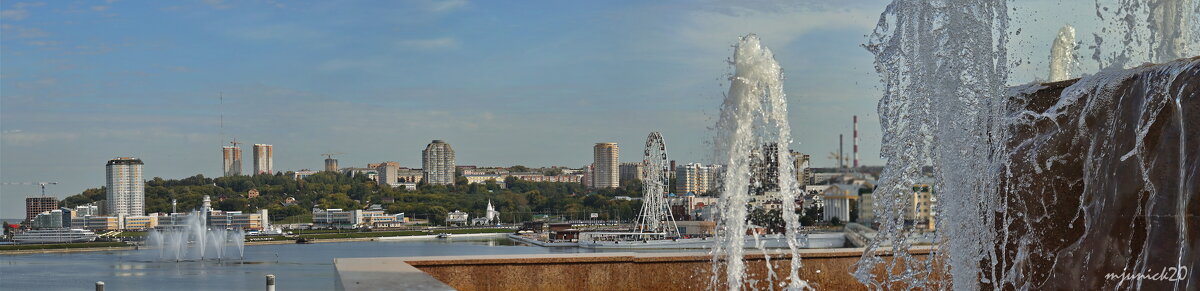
(169, 83)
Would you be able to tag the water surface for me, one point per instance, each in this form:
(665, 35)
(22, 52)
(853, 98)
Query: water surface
(296, 267)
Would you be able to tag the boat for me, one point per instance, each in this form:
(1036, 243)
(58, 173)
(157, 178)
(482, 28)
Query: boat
(443, 235)
(57, 235)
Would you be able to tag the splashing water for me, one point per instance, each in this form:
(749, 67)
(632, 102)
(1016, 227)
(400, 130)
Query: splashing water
(1150, 31)
(194, 241)
(753, 119)
(1062, 54)
(1038, 188)
(942, 65)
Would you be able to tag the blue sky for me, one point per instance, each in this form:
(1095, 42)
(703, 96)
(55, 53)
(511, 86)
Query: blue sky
(504, 82)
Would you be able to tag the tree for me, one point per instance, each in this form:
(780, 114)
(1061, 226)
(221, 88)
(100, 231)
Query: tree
(814, 213)
(807, 221)
(835, 221)
(518, 168)
(854, 210)
(519, 201)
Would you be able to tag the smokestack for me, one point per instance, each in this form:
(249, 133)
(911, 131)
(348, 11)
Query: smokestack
(856, 141)
(841, 154)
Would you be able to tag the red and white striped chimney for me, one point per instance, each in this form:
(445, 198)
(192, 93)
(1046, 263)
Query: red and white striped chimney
(856, 141)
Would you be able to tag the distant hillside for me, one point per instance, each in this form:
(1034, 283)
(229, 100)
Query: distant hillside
(518, 202)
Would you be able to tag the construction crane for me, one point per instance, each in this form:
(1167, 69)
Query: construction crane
(841, 161)
(41, 184)
(235, 143)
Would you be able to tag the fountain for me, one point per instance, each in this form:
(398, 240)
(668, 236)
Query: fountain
(753, 125)
(1073, 185)
(193, 240)
(1062, 54)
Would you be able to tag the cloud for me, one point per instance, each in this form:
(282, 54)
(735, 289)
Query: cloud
(19, 11)
(714, 29)
(445, 5)
(429, 44)
(217, 4)
(276, 32)
(22, 32)
(17, 137)
(14, 14)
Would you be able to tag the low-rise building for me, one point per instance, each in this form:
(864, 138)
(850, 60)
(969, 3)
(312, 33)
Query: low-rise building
(539, 177)
(237, 220)
(85, 210)
(378, 217)
(837, 199)
(371, 172)
(697, 227)
(484, 178)
(50, 219)
(335, 217)
(91, 222)
(139, 222)
(303, 174)
(354, 218)
(457, 217)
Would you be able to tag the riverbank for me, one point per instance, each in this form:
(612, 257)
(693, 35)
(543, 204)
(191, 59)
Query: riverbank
(314, 238)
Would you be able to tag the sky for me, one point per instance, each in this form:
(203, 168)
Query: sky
(532, 83)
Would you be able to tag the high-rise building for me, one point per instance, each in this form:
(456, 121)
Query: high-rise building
(605, 165)
(388, 173)
(589, 180)
(437, 161)
(232, 160)
(264, 159)
(331, 165)
(126, 190)
(37, 205)
(803, 167)
(695, 178)
(631, 171)
(764, 166)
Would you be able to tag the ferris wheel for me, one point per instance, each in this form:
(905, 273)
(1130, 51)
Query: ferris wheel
(656, 211)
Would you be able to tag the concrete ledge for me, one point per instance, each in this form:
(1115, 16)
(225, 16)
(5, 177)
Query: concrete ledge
(824, 268)
(383, 274)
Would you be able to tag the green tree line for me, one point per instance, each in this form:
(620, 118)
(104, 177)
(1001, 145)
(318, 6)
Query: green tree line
(517, 202)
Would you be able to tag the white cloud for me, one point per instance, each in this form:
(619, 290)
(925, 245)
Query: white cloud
(276, 32)
(445, 5)
(217, 4)
(429, 44)
(14, 14)
(19, 11)
(716, 29)
(22, 32)
(18, 137)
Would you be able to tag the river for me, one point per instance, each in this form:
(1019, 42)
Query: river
(296, 267)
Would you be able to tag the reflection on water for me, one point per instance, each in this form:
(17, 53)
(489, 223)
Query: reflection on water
(297, 267)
